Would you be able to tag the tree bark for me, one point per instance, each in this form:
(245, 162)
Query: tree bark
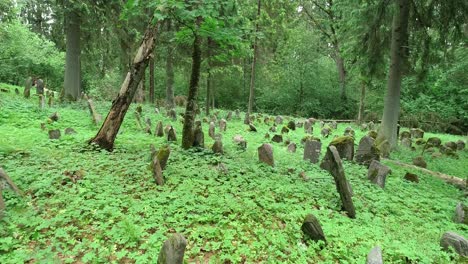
(187, 132)
(169, 74)
(72, 83)
(254, 61)
(208, 92)
(392, 99)
(151, 80)
(361, 102)
(106, 136)
(341, 74)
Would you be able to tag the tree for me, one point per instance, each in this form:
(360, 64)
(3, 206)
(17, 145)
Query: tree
(72, 82)
(254, 61)
(388, 129)
(169, 70)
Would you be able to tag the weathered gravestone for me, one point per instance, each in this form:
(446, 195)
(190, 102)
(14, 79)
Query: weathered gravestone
(367, 151)
(420, 162)
(159, 132)
(375, 256)
(211, 130)
(252, 128)
(292, 125)
(237, 112)
(279, 120)
(411, 177)
(222, 125)
(198, 136)
(172, 251)
(460, 145)
(277, 138)
(333, 125)
(54, 117)
(433, 142)
(417, 133)
(265, 154)
(69, 131)
(229, 116)
(312, 150)
(308, 129)
(299, 124)
(247, 118)
(292, 147)
(27, 87)
(54, 134)
(405, 134)
(284, 130)
(332, 163)
(345, 147)
(312, 228)
(240, 141)
(39, 86)
(454, 241)
(406, 142)
(377, 173)
(148, 126)
(157, 171)
(325, 132)
(172, 114)
(272, 129)
(461, 214)
(349, 131)
(217, 147)
(373, 134)
(171, 134)
(41, 101)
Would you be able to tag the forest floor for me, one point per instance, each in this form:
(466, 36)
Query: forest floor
(112, 210)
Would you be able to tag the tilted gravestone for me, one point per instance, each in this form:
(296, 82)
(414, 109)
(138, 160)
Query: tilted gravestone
(455, 241)
(292, 147)
(284, 130)
(265, 154)
(325, 132)
(433, 142)
(252, 128)
(411, 177)
(172, 251)
(332, 163)
(377, 173)
(312, 150)
(367, 151)
(312, 228)
(157, 171)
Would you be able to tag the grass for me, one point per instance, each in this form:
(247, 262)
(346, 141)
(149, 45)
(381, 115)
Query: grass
(116, 213)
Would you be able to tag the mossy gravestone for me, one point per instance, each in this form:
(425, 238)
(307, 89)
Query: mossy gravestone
(312, 228)
(332, 163)
(159, 132)
(277, 138)
(171, 134)
(265, 154)
(292, 147)
(217, 147)
(173, 249)
(377, 173)
(417, 133)
(345, 147)
(367, 151)
(461, 214)
(54, 134)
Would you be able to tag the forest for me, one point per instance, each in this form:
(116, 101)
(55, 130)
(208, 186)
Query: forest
(233, 131)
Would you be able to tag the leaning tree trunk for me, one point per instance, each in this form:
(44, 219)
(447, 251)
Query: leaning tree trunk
(187, 132)
(388, 129)
(72, 83)
(108, 132)
(361, 102)
(254, 62)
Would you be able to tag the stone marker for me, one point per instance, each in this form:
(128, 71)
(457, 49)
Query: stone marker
(237, 112)
(334, 125)
(405, 134)
(349, 131)
(455, 241)
(363, 127)
(41, 101)
(299, 124)
(222, 125)
(211, 130)
(308, 129)
(27, 87)
(172, 251)
(247, 118)
(157, 171)
(252, 128)
(375, 256)
(332, 163)
(384, 148)
(163, 156)
(406, 142)
(367, 151)
(345, 147)
(240, 141)
(277, 138)
(322, 124)
(273, 129)
(198, 136)
(171, 134)
(373, 134)
(265, 154)
(371, 125)
(50, 100)
(54, 134)
(420, 162)
(433, 142)
(461, 214)
(312, 228)
(377, 173)
(159, 132)
(292, 147)
(325, 132)
(411, 177)
(312, 150)
(229, 116)
(460, 145)
(217, 147)
(39, 86)
(417, 133)
(292, 125)
(148, 126)
(284, 130)
(54, 117)
(69, 131)
(172, 114)
(279, 120)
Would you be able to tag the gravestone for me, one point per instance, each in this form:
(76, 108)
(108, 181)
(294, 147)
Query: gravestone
(456, 242)
(54, 134)
(292, 147)
(50, 100)
(299, 124)
(312, 150)
(148, 126)
(279, 120)
(345, 147)
(308, 129)
(406, 142)
(222, 125)
(217, 147)
(420, 162)
(277, 138)
(312, 228)
(349, 132)
(292, 125)
(211, 130)
(159, 129)
(460, 145)
(325, 132)
(267, 135)
(334, 125)
(371, 125)
(433, 142)
(252, 128)
(172, 251)
(332, 163)
(405, 134)
(27, 87)
(54, 117)
(451, 145)
(411, 177)
(171, 134)
(377, 173)
(163, 156)
(273, 129)
(237, 112)
(363, 127)
(265, 154)
(367, 151)
(198, 136)
(461, 214)
(284, 130)
(41, 101)
(373, 134)
(240, 141)
(39, 86)
(172, 114)
(322, 123)
(417, 133)
(266, 120)
(157, 171)
(229, 116)
(69, 131)
(247, 118)
(375, 256)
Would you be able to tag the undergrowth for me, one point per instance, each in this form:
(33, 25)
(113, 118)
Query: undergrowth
(113, 212)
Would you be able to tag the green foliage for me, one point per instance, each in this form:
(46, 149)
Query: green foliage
(115, 213)
(24, 53)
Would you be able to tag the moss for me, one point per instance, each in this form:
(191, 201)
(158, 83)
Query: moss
(372, 134)
(342, 140)
(309, 138)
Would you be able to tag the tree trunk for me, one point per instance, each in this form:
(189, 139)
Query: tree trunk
(361, 102)
(392, 99)
(341, 74)
(252, 75)
(170, 74)
(187, 132)
(208, 92)
(106, 136)
(151, 80)
(72, 84)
